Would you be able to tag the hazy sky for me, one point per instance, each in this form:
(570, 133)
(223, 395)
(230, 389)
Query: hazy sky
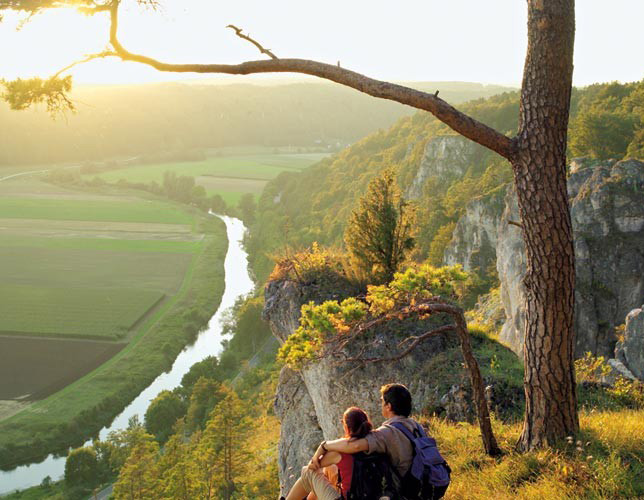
(414, 40)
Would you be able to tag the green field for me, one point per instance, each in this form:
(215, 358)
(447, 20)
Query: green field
(77, 312)
(92, 210)
(228, 176)
(137, 274)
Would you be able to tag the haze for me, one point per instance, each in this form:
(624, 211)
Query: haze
(459, 40)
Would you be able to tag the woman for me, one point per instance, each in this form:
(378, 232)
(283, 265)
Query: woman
(356, 425)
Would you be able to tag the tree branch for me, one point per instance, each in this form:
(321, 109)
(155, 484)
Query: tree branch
(239, 33)
(414, 342)
(90, 57)
(458, 121)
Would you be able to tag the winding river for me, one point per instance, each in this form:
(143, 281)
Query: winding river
(208, 343)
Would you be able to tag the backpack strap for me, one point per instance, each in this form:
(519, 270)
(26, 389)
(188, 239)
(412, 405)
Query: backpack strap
(408, 434)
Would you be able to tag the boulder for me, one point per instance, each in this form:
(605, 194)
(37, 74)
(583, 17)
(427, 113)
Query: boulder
(630, 349)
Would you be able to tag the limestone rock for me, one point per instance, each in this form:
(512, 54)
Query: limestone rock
(630, 350)
(445, 158)
(294, 408)
(607, 211)
(618, 370)
(310, 404)
(474, 239)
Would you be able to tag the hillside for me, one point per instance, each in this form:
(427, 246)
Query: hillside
(123, 121)
(438, 170)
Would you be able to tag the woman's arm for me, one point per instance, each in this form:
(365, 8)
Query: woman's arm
(330, 458)
(343, 445)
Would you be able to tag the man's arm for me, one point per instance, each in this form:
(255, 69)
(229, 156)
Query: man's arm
(344, 445)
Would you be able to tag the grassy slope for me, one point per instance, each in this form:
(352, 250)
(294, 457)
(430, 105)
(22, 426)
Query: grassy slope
(606, 462)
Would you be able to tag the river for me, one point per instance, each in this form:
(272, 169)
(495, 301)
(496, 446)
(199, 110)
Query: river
(237, 282)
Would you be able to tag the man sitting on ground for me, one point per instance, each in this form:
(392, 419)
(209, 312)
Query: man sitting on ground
(396, 407)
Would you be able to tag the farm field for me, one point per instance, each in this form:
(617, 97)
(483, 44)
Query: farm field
(95, 313)
(26, 362)
(95, 288)
(229, 176)
(80, 265)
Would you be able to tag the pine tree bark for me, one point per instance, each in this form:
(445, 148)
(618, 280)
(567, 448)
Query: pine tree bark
(540, 176)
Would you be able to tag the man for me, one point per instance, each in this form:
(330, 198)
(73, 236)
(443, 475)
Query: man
(396, 407)
(395, 401)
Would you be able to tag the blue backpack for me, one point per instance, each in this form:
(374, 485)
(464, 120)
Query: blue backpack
(429, 475)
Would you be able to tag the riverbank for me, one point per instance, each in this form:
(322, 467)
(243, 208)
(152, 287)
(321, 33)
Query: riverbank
(79, 411)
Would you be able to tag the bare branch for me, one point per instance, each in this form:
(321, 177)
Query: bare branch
(239, 33)
(415, 342)
(458, 121)
(90, 57)
(514, 223)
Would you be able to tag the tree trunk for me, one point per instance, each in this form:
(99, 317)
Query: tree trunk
(539, 169)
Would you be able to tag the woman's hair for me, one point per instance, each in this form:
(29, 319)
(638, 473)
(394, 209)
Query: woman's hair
(357, 423)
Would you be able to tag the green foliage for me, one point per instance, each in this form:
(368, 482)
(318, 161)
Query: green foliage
(380, 232)
(205, 395)
(602, 134)
(247, 207)
(323, 322)
(21, 94)
(81, 467)
(440, 242)
(249, 333)
(608, 122)
(138, 477)
(161, 415)
(593, 373)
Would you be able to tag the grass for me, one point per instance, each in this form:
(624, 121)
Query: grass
(605, 461)
(83, 407)
(92, 210)
(100, 313)
(229, 176)
(74, 262)
(149, 246)
(52, 267)
(255, 167)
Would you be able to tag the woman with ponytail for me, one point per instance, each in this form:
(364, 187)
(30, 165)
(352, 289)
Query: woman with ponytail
(338, 465)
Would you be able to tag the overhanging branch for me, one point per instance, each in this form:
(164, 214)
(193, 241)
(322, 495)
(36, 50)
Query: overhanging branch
(455, 119)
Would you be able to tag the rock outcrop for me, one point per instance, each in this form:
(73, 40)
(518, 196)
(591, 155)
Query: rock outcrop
(630, 349)
(295, 409)
(310, 403)
(607, 210)
(474, 240)
(445, 158)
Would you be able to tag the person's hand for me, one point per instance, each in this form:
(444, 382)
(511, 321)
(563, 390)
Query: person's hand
(314, 463)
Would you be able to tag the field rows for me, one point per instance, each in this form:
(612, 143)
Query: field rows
(86, 312)
(92, 210)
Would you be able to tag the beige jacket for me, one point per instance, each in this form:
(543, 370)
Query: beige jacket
(389, 440)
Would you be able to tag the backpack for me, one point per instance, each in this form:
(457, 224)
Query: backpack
(373, 477)
(429, 475)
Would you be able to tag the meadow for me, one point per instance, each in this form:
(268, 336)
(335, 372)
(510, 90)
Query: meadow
(229, 176)
(93, 313)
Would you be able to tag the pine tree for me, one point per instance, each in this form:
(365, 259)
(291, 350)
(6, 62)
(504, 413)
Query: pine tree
(379, 232)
